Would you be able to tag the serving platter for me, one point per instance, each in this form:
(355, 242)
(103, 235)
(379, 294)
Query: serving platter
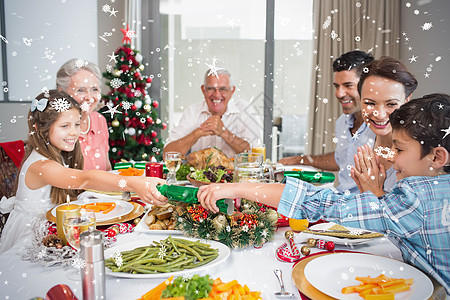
(145, 240)
(342, 268)
(143, 227)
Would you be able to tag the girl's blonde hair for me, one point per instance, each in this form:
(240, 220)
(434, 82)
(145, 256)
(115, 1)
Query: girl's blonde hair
(39, 124)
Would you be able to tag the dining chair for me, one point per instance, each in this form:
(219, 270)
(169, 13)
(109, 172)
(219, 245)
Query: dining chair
(11, 156)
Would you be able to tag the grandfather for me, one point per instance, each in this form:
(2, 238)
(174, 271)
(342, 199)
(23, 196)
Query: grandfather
(220, 121)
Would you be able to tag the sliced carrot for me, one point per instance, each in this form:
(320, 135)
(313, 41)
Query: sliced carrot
(156, 292)
(109, 209)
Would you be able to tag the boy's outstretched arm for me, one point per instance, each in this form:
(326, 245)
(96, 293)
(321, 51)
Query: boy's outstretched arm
(265, 193)
(368, 173)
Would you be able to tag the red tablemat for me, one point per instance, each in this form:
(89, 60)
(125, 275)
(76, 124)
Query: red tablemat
(302, 296)
(15, 150)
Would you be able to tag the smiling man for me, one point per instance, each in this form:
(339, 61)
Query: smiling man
(350, 130)
(220, 121)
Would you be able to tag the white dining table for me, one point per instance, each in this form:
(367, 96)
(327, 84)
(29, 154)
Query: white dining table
(25, 280)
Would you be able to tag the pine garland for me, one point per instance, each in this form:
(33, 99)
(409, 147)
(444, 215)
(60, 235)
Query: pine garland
(254, 225)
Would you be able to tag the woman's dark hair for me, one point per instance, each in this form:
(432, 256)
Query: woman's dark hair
(353, 60)
(426, 120)
(389, 68)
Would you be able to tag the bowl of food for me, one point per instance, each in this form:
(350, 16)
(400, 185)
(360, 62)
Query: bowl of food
(210, 175)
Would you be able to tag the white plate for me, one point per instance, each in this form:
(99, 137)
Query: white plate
(336, 240)
(330, 273)
(122, 208)
(145, 240)
(142, 227)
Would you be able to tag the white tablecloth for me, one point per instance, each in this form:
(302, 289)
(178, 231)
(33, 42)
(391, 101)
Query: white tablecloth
(254, 267)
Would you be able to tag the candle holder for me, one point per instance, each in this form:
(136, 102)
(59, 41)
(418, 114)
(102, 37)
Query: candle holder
(70, 209)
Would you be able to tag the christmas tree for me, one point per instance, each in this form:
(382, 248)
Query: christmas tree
(130, 112)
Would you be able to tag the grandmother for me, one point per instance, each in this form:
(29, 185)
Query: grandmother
(81, 79)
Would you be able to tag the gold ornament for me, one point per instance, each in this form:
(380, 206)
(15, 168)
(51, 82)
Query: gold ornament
(136, 221)
(147, 107)
(272, 216)
(311, 242)
(144, 156)
(289, 234)
(117, 73)
(115, 123)
(115, 229)
(305, 250)
(141, 67)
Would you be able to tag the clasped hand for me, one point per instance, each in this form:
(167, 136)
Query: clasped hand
(368, 173)
(213, 126)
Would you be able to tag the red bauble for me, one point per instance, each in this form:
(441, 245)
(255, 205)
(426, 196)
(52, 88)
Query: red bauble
(155, 104)
(149, 80)
(320, 244)
(164, 125)
(154, 134)
(157, 140)
(133, 107)
(329, 246)
(150, 120)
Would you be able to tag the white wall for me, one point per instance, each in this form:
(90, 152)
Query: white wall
(60, 30)
(432, 47)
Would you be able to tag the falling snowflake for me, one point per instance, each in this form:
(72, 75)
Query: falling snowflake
(106, 8)
(79, 63)
(116, 83)
(213, 68)
(355, 136)
(60, 105)
(376, 113)
(112, 110)
(416, 12)
(154, 149)
(358, 4)
(118, 260)
(357, 38)
(162, 252)
(228, 228)
(46, 91)
(85, 106)
(427, 26)
(187, 277)
(413, 58)
(447, 132)
(318, 175)
(78, 263)
(142, 120)
(27, 41)
(126, 105)
(122, 183)
(366, 70)
(327, 23)
(245, 228)
(137, 93)
(374, 206)
(384, 152)
(334, 35)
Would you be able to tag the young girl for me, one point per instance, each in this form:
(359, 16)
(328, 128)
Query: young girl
(53, 167)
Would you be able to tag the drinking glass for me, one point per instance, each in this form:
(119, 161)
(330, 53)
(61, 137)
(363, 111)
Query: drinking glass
(73, 226)
(249, 167)
(173, 163)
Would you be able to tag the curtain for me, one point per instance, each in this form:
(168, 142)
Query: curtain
(342, 26)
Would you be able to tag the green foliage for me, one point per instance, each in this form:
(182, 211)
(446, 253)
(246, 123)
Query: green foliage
(134, 129)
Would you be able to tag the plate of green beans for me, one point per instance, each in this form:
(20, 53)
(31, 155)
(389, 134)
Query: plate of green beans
(153, 256)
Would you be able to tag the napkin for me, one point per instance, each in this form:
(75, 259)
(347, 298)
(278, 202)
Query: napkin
(352, 232)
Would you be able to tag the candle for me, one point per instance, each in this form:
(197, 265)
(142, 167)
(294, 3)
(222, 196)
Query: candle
(67, 208)
(260, 150)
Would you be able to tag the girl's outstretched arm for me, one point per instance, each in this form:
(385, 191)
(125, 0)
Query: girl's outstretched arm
(49, 172)
(265, 193)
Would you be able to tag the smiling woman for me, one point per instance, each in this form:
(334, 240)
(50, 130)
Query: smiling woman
(384, 86)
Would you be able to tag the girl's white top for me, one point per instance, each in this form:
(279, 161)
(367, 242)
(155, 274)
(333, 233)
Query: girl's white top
(30, 207)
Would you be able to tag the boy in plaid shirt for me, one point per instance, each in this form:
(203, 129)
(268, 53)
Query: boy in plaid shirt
(416, 213)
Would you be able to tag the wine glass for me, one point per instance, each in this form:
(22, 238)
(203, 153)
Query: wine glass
(173, 163)
(73, 226)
